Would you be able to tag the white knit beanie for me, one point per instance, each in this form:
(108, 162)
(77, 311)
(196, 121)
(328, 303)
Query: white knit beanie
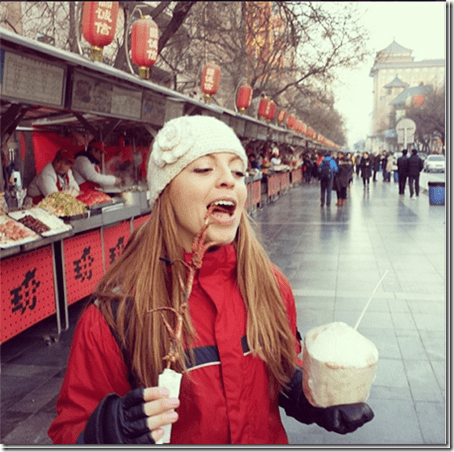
(183, 140)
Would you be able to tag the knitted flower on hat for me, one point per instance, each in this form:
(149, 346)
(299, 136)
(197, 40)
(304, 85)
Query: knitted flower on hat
(183, 140)
(172, 142)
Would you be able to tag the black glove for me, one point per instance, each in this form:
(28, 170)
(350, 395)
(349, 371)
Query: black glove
(339, 418)
(119, 420)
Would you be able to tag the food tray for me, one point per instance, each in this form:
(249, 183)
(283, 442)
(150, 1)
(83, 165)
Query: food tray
(56, 224)
(9, 243)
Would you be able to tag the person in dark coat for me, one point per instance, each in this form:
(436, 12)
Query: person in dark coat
(415, 165)
(308, 165)
(402, 170)
(376, 166)
(366, 169)
(383, 163)
(342, 178)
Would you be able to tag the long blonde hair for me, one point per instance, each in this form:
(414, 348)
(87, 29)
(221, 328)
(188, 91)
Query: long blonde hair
(141, 281)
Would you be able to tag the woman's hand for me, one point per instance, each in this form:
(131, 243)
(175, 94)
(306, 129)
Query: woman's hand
(136, 418)
(160, 410)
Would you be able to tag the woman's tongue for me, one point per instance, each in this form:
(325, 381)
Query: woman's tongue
(221, 215)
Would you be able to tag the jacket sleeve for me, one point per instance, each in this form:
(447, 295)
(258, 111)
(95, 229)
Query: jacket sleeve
(95, 369)
(87, 171)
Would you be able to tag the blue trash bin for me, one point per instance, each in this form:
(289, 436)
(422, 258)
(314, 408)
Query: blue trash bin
(437, 193)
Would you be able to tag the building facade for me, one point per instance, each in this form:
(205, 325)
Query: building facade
(395, 72)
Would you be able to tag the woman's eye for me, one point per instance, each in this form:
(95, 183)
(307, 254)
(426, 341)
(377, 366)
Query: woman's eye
(238, 173)
(202, 170)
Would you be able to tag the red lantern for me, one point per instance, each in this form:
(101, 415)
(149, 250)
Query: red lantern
(263, 107)
(271, 113)
(295, 125)
(144, 45)
(211, 77)
(244, 97)
(281, 116)
(99, 22)
(291, 121)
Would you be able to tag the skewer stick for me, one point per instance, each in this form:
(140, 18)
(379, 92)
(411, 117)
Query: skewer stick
(367, 304)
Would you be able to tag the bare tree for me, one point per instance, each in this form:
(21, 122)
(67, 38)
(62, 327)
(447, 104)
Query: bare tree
(429, 117)
(288, 50)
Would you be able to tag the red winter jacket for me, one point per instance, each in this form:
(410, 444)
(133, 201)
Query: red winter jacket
(227, 399)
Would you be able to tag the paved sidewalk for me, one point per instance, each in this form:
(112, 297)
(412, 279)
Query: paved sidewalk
(333, 257)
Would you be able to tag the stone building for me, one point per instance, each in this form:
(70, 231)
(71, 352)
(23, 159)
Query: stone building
(395, 72)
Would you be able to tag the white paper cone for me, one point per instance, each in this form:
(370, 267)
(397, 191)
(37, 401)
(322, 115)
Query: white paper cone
(171, 380)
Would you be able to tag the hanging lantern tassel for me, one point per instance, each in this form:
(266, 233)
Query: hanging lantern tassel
(99, 23)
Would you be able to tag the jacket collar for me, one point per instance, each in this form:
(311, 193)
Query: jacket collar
(219, 259)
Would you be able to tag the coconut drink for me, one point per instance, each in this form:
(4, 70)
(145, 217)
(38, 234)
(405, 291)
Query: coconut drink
(339, 365)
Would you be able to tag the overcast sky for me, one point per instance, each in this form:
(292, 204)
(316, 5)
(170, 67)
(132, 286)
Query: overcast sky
(419, 26)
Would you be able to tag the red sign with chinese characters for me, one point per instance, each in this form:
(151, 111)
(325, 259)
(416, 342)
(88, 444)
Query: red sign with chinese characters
(211, 77)
(144, 42)
(99, 22)
(115, 239)
(83, 262)
(28, 292)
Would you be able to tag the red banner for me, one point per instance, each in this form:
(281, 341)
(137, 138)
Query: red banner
(115, 239)
(27, 292)
(83, 264)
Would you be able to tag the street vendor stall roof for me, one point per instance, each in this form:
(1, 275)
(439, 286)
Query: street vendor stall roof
(39, 114)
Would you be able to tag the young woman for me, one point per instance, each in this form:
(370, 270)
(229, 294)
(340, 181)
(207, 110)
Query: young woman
(211, 306)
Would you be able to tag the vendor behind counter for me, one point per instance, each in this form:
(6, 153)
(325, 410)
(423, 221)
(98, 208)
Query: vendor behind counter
(56, 176)
(87, 171)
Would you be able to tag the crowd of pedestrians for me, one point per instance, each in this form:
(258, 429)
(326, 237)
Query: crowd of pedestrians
(334, 171)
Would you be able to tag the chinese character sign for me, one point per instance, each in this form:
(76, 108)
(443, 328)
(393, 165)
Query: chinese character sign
(210, 79)
(99, 22)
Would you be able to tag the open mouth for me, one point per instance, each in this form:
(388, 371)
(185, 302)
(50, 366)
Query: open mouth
(222, 207)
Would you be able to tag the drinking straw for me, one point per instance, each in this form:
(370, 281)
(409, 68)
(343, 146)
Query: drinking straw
(367, 304)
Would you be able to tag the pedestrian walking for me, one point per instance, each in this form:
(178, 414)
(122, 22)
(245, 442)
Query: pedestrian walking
(349, 157)
(389, 166)
(326, 170)
(342, 178)
(383, 162)
(415, 166)
(308, 165)
(402, 171)
(358, 163)
(376, 166)
(315, 162)
(366, 169)
(193, 292)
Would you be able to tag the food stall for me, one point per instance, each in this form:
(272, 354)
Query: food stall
(52, 255)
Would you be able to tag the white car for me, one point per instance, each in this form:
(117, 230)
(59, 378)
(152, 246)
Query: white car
(434, 163)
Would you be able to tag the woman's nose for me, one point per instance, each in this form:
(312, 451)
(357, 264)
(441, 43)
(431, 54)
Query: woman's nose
(225, 178)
